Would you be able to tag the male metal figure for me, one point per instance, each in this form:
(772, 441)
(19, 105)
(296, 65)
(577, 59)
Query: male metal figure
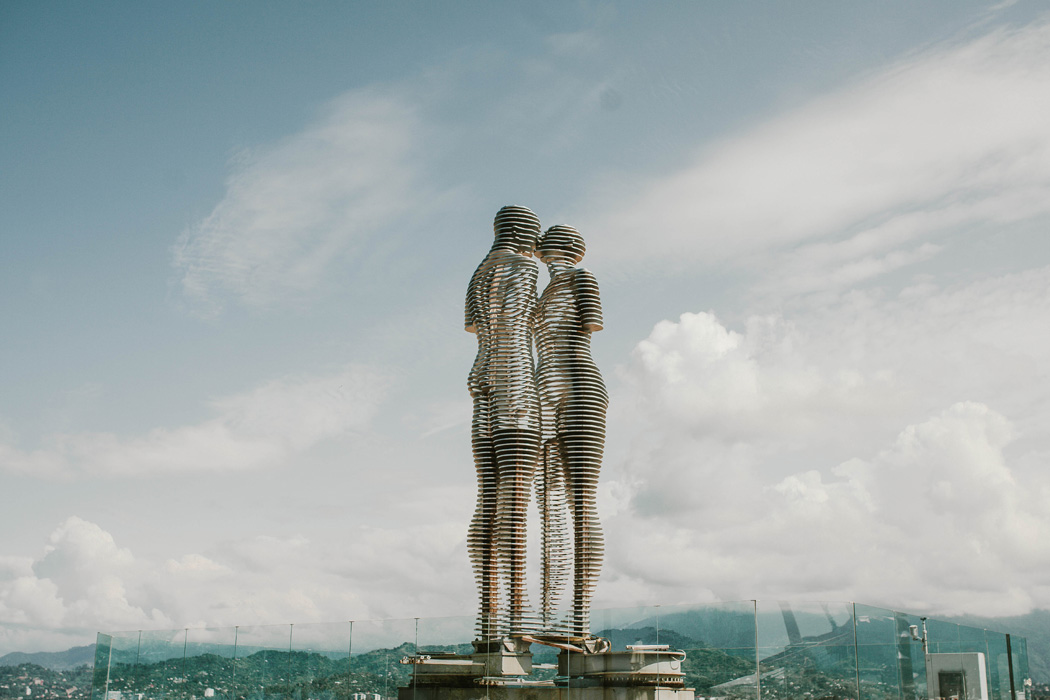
(505, 434)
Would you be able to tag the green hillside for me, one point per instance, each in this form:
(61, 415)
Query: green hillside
(54, 660)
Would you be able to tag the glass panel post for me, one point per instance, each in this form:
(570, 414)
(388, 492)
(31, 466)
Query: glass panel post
(758, 658)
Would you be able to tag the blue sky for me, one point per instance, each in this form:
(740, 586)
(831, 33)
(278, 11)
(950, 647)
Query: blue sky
(235, 239)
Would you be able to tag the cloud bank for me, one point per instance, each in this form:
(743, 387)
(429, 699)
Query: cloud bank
(861, 181)
(886, 450)
(85, 582)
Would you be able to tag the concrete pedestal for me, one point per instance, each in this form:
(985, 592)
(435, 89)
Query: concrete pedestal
(543, 691)
(501, 671)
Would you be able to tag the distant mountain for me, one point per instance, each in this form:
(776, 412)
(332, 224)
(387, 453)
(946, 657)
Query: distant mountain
(54, 660)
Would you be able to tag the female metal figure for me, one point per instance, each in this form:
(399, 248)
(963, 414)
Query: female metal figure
(573, 401)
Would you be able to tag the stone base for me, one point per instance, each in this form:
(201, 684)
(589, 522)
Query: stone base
(496, 659)
(544, 690)
(652, 664)
(500, 670)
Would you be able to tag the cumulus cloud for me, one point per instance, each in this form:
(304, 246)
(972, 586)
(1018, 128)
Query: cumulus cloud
(861, 181)
(254, 429)
(83, 579)
(934, 519)
(932, 522)
(292, 209)
(698, 370)
(885, 449)
(84, 582)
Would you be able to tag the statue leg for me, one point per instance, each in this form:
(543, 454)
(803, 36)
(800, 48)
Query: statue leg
(517, 452)
(554, 537)
(481, 542)
(583, 443)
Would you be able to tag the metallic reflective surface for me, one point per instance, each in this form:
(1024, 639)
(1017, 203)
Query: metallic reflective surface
(542, 423)
(573, 400)
(505, 431)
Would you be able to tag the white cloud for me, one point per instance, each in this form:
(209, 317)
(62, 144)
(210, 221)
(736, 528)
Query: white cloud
(255, 429)
(936, 521)
(700, 377)
(293, 209)
(881, 449)
(81, 580)
(84, 582)
(862, 179)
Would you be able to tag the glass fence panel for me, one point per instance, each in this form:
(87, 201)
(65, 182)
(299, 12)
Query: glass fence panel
(100, 671)
(624, 626)
(155, 664)
(802, 650)
(719, 641)
(878, 655)
(998, 666)
(208, 668)
(157, 646)
(320, 661)
(123, 675)
(261, 667)
(1019, 649)
(972, 639)
(943, 637)
(806, 649)
(437, 636)
(911, 657)
(377, 647)
(446, 634)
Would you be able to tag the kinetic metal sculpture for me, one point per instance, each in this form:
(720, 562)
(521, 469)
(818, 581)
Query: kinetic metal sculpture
(558, 410)
(573, 400)
(525, 416)
(505, 435)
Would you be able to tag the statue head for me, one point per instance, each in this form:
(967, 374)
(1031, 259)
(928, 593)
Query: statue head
(517, 227)
(561, 242)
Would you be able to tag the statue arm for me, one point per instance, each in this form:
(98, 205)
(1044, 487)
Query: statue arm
(589, 303)
(470, 310)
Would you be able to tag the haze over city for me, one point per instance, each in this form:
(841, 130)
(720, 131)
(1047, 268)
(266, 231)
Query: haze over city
(235, 241)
